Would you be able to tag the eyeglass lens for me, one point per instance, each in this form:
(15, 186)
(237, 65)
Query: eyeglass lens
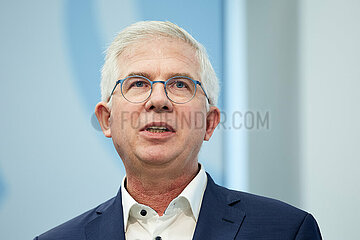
(138, 89)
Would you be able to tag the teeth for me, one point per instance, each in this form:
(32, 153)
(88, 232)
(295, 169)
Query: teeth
(157, 129)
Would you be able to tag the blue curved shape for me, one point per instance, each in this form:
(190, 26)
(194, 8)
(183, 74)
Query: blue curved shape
(85, 56)
(84, 49)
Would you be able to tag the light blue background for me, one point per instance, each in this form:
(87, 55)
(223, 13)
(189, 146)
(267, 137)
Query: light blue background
(54, 163)
(301, 64)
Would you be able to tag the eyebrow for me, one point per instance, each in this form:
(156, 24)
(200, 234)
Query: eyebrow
(142, 74)
(148, 76)
(181, 74)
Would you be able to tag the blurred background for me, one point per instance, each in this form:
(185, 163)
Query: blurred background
(290, 81)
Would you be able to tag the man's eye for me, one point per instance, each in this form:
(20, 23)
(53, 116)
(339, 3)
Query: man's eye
(180, 84)
(138, 84)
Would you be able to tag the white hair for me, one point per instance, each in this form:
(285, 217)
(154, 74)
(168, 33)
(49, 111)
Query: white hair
(143, 30)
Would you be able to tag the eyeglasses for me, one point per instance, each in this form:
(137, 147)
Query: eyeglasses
(137, 89)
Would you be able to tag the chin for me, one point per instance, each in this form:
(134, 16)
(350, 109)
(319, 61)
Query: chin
(156, 157)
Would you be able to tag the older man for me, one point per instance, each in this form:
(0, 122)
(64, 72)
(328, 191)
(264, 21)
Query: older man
(159, 93)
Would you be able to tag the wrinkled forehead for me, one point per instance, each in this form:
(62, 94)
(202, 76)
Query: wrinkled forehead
(165, 50)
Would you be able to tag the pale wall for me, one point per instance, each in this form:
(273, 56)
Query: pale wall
(330, 116)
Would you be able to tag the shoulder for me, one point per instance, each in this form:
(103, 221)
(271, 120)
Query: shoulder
(74, 229)
(276, 218)
(265, 216)
(253, 204)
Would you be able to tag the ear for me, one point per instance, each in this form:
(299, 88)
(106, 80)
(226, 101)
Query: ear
(212, 120)
(102, 112)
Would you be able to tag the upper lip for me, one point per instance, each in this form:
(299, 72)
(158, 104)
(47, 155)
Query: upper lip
(158, 124)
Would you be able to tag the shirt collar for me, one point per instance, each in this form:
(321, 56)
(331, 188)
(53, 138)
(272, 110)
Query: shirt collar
(127, 202)
(193, 193)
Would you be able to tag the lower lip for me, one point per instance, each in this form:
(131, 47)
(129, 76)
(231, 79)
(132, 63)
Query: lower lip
(156, 135)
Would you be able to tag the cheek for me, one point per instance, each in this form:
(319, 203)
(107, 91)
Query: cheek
(192, 120)
(200, 120)
(131, 120)
(125, 118)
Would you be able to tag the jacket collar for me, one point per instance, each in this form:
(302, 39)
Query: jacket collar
(220, 216)
(109, 224)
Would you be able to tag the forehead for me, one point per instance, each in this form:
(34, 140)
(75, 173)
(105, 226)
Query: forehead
(159, 57)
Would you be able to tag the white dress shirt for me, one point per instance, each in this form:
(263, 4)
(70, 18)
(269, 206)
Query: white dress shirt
(178, 222)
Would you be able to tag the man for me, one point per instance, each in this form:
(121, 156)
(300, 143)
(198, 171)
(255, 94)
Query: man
(159, 93)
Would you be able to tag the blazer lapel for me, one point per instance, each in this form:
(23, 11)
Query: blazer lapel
(220, 214)
(220, 217)
(109, 224)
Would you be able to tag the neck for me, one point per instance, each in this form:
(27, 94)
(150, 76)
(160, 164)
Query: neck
(158, 190)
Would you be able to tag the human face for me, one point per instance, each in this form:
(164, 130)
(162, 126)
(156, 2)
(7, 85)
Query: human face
(132, 126)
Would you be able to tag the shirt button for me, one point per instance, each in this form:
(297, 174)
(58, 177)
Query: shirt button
(143, 212)
(158, 238)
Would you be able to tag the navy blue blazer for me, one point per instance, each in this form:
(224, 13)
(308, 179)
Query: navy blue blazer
(225, 214)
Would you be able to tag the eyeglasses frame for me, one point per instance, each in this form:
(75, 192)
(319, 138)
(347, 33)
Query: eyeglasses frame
(120, 81)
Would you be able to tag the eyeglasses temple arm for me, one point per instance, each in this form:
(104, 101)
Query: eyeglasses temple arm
(117, 82)
(203, 91)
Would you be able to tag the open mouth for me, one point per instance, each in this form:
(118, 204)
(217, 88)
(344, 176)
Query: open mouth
(157, 129)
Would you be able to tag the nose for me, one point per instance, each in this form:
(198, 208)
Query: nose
(158, 101)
